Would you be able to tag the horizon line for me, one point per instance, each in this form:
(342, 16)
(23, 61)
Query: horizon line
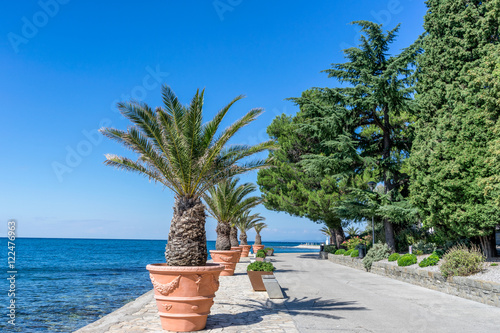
(146, 239)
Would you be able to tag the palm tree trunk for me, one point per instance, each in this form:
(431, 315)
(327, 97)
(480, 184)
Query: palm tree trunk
(488, 245)
(243, 238)
(223, 242)
(187, 240)
(258, 240)
(234, 236)
(339, 237)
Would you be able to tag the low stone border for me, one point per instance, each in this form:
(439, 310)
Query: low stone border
(346, 261)
(476, 290)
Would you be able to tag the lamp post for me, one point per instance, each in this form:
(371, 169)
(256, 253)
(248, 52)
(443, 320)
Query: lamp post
(372, 187)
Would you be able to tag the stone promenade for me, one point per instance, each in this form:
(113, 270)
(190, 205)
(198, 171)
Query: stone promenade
(237, 308)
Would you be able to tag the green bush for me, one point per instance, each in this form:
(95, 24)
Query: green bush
(431, 260)
(261, 254)
(425, 248)
(394, 257)
(348, 253)
(268, 249)
(493, 264)
(330, 248)
(407, 260)
(355, 253)
(261, 266)
(340, 251)
(462, 261)
(439, 253)
(378, 252)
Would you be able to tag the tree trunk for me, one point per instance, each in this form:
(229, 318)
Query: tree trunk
(339, 237)
(388, 185)
(243, 238)
(332, 237)
(234, 236)
(488, 245)
(258, 240)
(187, 240)
(223, 242)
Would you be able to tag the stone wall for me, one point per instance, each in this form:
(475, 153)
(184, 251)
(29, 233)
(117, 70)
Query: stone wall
(346, 261)
(476, 290)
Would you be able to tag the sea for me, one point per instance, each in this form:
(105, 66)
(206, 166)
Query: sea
(62, 285)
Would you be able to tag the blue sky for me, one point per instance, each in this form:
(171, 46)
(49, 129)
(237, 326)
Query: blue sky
(66, 63)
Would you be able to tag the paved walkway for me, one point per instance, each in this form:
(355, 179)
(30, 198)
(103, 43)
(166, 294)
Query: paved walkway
(322, 297)
(326, 297)
(237, 308)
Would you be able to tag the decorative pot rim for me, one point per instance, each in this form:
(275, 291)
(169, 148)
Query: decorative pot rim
(163, 267)
(224, 251)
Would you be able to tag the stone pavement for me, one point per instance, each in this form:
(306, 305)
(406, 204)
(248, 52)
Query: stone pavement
(327, 297)
(237, 308)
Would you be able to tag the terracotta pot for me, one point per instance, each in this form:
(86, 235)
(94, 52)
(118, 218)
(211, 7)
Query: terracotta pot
(226, 258)
(256, 279)
(184, 294)
(256, 248)
(270, 252)
(246, 250)
(237, 248)
(259, 259)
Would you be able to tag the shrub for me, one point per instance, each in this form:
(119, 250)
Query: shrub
(394, 257)
(268, 249)
(348, 253)
(462, 261)
(493, 264)
(261, 254)
(439, 253)
(431, 260)
(330, 248)
(424, 247)
(355, 253)
(261, 266)
(352, 242)
(378, 252)
(341, 251)
(419, 252)
(407, 260)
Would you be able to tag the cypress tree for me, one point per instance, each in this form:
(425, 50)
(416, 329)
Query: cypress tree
(454, 159)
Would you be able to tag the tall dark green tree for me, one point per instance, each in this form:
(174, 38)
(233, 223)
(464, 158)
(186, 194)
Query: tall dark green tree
(287, 187)
(365, 126)
(454, 174)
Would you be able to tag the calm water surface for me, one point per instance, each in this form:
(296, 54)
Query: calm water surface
(65, 284)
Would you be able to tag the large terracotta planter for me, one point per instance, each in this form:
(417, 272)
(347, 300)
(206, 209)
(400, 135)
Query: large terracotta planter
(256, 279)
(184, 294)
(226, 258)
(246, 250)
(256, 248)
(237, 248)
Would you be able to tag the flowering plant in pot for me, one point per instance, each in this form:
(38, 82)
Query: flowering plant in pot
(255, 271)
(257, 245)
(244, 223)
(226, 202)
(180, 152)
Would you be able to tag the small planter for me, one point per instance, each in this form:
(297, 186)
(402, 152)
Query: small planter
(270, 252)
(260, 259)
(256, 248)
(256, 279)
(226, 258)
(245, 250)
(184, 295)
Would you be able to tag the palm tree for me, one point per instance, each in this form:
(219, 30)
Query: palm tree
(258, 228)
(246, 222)
(179, 151)
(226, 202)
(328, 232)
(352, 231)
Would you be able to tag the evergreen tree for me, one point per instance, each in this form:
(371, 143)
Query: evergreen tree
(287, 187)
(365, 127)
(454, 159)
